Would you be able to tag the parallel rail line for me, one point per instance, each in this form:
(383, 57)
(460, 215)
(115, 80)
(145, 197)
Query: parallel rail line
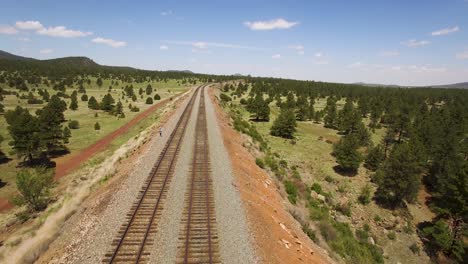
(136, 234)
(198, 239)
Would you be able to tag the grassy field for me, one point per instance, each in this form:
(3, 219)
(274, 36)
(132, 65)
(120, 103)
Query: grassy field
(85, 135)
(311, 152)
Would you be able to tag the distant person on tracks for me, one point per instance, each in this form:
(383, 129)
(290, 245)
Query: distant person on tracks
(160, 131)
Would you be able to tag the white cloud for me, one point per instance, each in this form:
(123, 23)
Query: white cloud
(318, 54)
(276, 56)
(163, 47)
(445, 31)
(46, 51)
(24, 39)
(463, 55)
(279, 23)
(299, 48)
(390, 53)
(166, 13)
(110, 42)
(205, 45)
(8, 30)
(415, 43)
(355, 65)
(29, 25)
(62, 32)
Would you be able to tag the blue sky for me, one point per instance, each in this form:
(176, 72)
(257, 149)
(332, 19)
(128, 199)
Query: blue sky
(416, 42)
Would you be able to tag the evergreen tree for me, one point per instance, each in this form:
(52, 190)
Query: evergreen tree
(97, 126)
(24, 131)
(99, 82)
(302, 108)
(347, 154)
(375, 157)
(259, 108)
(118, 111)
(330, 119)
(400, 177)
(74, 102)
(149, 100)
(285, 125)
(84, 97)
(149, 89)
(66, 135)
(93, 104)
(50, 120)
(107, 103)
(157, 97)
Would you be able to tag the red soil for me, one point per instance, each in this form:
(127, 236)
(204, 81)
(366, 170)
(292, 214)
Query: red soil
(67, 164)
(277, 237)
(5, 205)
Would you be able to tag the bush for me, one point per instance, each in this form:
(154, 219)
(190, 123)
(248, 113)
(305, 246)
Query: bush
(225, 98)
(260, 163)
(157, 97)
(84, 97)
(73, 124)
(243, 101)
(317, 211)
(329, 179)
(344, 208)
(291, 190)
(365, 196)
(310, 233)
(149, 100)
(316, 187)
(34, 188)
(97, 126)
(415, 248)
(391, 235)
(285, 125)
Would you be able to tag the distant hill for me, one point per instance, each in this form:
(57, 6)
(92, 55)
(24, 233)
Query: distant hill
(9, 56)
(463, 85)
(376, 84)
(182, 71)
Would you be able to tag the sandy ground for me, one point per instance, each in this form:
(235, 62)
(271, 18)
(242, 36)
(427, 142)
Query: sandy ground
(277, 237)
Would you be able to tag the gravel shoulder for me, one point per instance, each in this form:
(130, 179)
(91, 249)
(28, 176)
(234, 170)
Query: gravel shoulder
(86, 236)
(234, 238)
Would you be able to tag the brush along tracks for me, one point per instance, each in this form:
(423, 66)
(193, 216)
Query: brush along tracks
(136, 235)
(198, 238)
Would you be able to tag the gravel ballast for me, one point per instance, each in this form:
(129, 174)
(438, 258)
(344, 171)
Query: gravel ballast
(165, 247)
(234, 238)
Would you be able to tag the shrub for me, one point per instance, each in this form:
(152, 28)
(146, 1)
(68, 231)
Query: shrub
(34, 188)
(73, 124)
(285, 125)
(157, 97)
(415, 248)
(291, 190)
(344, 208)
(329, 179)
(97, 126)
(84, 97)
(391, 235)
(377, 218)
(316, 187)
(260, 163)
(225, 98)
(149, 100)
(243, 101)
(317, 210)
(310, 233)
(365, 196)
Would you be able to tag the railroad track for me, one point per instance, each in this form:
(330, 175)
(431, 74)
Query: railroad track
(136, 234)
(198, 239)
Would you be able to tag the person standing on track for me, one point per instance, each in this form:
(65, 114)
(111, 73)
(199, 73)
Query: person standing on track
(160, 131)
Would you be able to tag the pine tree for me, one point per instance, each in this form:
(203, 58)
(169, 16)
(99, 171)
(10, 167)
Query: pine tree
(375, 157)
(50, 120)
(99, 82)
(118, 111)
(74, 102)
(330, 119)
(285, 125)
(93, 104)
(107, 103)
(97, 126)
(347, 154)
(84, 97)
(400, 177)
(149, 89)
(24, 131)
(259, 108)
(302, 109)
(157, 97)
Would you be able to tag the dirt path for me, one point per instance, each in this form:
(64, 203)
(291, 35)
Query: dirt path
(71, 162)
(277, 237)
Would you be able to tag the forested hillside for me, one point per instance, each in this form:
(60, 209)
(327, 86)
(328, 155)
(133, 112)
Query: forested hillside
(394, 143)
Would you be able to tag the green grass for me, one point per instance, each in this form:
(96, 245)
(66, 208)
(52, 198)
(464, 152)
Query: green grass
(85, 135)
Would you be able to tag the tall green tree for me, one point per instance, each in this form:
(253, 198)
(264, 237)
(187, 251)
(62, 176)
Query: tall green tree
(401, 177)
(347, 154)
(331, 116)
(285, 125)
(24, 131)
(259, 108)
(50, 120)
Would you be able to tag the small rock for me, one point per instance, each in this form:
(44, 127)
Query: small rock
(371, 240)
(321, 197)
(342, 218)
(314, 194)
